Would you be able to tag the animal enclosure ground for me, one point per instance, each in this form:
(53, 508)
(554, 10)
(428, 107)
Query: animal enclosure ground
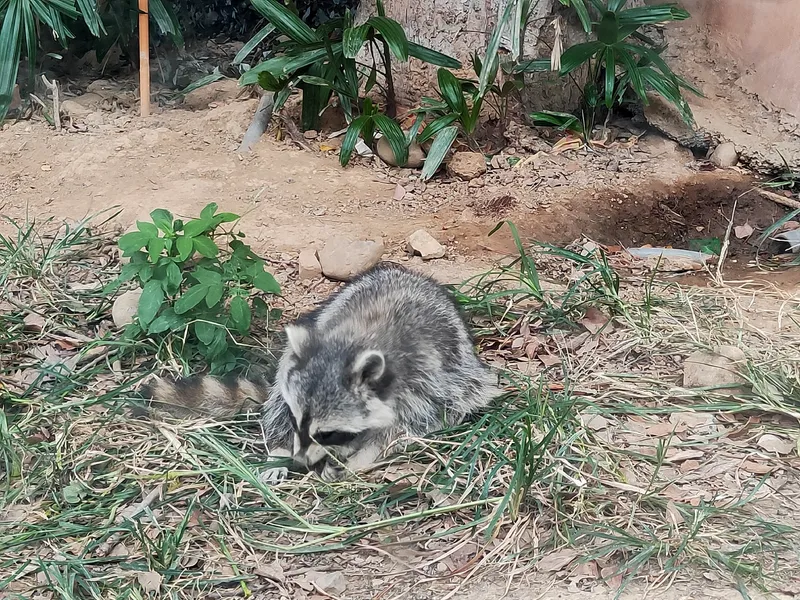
(599, 467)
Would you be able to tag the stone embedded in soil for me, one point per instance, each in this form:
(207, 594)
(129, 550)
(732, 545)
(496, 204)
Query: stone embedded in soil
(308, 265)
(125, 307)
(467, 165)
(218, 91)
(711, 369)
(416, 157)
(725, 155)
(310, 134)
(423, 243)
(75, 107)
(342, 258)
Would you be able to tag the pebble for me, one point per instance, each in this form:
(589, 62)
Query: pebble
(342, 258)
(423, 243)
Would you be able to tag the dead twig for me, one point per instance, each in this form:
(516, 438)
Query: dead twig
(294, 132)
(778, 199)
(53, 87)
(127, 514)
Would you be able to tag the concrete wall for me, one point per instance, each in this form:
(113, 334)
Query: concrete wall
(763, 37)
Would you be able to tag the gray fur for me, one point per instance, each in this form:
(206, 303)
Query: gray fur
(389, 356)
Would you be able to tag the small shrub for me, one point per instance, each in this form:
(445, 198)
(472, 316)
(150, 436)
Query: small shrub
(189, 285)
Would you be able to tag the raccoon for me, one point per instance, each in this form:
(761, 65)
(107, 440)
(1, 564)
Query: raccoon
(389, 355)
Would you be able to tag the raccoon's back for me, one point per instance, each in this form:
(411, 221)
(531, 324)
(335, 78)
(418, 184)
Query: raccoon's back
(391, 307)
(206, 396)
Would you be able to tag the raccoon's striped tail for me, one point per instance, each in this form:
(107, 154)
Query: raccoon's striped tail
(206, 396)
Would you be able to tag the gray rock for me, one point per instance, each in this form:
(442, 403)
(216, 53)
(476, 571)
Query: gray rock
(423, 243)
(467, 165)
(308, 265)
(416, 157)
(125, 307)
(712, 369)
(725, 155)
(342, 258)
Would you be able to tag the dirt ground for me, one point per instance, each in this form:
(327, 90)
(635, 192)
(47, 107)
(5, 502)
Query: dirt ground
(645, 191)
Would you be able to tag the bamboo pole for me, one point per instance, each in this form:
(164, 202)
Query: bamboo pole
(144, 58)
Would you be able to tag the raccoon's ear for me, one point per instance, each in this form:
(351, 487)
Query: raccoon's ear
(297, 338)
(369, 366)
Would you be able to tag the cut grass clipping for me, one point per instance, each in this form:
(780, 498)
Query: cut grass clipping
(595, 464)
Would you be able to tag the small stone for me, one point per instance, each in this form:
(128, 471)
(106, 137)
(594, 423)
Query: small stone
(308, 265)
(342, 258)
(725, 155)
(467, 165)
(476, 183)
(416, 157)
(423, 243)
(125, 307)
(75, 109)
(310, 134)
(712, 369)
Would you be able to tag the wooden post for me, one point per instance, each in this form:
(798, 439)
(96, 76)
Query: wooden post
(144, 58)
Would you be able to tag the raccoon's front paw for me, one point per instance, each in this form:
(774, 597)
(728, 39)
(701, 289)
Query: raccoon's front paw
(273, 475)
(332, 473)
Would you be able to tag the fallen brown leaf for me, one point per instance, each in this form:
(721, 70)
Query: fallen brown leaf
(772, 443)
(556, 561)
(756, 468)
(743, 231)
(150, 581)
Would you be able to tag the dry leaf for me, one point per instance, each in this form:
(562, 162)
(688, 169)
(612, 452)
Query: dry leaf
(756, 467)
(273, 571)
(674, 515)
(548, 360)
(150, 581)
(594, 320)
(689, 466)
(34, 322)
(556, 560)
(594, 422)
(743, 231)
(326, 147)
(330, 583)
(682, 455)
(611, 577)
(772, 443)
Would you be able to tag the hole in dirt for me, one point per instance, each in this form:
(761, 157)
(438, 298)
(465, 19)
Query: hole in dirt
(691, 215)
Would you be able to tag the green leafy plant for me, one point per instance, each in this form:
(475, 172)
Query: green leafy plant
(322, 62)
(365, 126)
(189, 285)
(615, 64)
(23, 21)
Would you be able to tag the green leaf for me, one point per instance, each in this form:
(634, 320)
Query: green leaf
(631, 68)
(196, 226)
(166, 21)
(174, 278)
(266, 283)
(395, 136)
(648, 15)
(146, 228)
(11, 34)
(133, 241)
(433, 129)
(575, 56)
(537, 65)
(207, 276)
(167, 321)
(240, 314)
(205, 246)
(610, 65)
(226, 217)
(205, 331)
(154, 247)
(185, 247)
(608, 29)
(191, 298)
(371, 79)
(269, 82)
(150, 301)
(450, 88)
(208, 211)
(562, 120)
(392, 33)
(353, 39)
(582, 12)
(351, 138)
(162, 219)
(286, 21)
(432, 56)
(214, 294)
(491, 59)
(439, 149)
(254, 41)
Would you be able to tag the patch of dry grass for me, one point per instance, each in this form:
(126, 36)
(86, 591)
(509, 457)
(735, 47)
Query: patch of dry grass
(596, 465)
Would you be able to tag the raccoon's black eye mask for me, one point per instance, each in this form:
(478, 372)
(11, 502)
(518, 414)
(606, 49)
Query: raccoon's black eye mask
(334, 438)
